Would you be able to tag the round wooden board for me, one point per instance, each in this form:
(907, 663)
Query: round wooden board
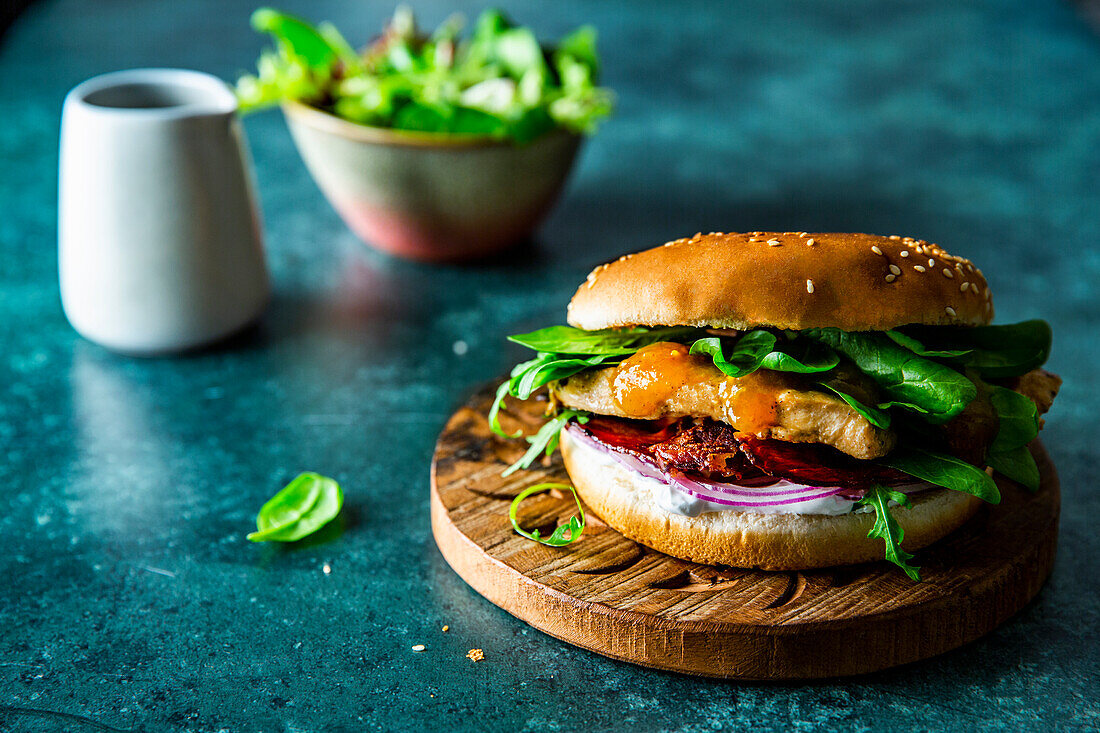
(611, 595)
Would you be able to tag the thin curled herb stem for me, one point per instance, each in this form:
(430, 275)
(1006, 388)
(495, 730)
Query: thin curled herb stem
(557, 539)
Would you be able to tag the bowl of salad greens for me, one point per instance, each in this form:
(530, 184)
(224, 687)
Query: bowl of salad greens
(432, 146)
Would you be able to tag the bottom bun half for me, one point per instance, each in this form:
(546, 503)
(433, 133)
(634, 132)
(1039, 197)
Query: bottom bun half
(623, 499)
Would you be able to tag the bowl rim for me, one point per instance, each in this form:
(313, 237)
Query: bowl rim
(324, 121)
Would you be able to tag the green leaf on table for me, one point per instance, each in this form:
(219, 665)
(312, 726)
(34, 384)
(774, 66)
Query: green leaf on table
(886, 527)
(558, 538)
(302, 507)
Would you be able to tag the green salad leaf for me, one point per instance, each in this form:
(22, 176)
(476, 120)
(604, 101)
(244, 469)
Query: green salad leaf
(760, 349)
(919, 349)
(742, 358)
(995, 352)
(499, 83)
(545, 441)
(937, 391)
(887, 528)
(302, 507)
(558, 537)
(1019, 425)
(299, 38)
(943, 470)
(615, 341)
(878, 417)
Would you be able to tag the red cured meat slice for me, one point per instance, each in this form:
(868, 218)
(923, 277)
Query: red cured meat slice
(817, 465)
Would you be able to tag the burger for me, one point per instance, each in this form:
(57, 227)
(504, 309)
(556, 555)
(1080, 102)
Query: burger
(787, 400)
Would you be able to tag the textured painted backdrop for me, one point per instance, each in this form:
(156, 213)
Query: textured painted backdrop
(129, 596)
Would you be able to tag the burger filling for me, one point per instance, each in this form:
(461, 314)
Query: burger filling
(815, 421)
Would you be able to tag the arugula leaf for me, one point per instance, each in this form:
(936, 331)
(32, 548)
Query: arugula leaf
(1019, 425)
(574, 527)
(569, 340)
(995, 352)
(546, 368)
(888, 529)
(944, 470)
(545, 441)
(878, 417)
(902, 375)
(302, 507)
(528, 376)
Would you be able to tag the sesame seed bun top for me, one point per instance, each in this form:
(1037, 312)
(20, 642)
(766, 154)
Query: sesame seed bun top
(790, 280)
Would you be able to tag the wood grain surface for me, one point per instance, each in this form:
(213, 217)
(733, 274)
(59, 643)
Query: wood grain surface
(616, 597)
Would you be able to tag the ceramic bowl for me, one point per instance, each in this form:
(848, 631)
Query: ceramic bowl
(429, 196)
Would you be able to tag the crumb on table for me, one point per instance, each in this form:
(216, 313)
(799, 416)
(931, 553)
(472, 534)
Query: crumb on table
(475, 655)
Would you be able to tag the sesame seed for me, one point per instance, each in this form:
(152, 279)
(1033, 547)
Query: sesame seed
(810, 242)
(774, 243)
(875, 249)
(445, 628)
(894, 237)
(919, 268)
(905, 253)
(802, 234)
(948, 273)
(753, 239)
(418, 648)
(963, 288)
(809, 286)
(891, 278)
(949, 311)
(895, 270)
(931, 263)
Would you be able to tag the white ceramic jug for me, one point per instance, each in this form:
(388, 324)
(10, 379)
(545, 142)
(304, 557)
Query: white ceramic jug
(159, 232)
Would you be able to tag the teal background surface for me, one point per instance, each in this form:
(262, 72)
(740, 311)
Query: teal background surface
(129, 598)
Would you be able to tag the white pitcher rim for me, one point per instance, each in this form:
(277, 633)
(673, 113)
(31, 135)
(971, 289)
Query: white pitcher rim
(209, 95)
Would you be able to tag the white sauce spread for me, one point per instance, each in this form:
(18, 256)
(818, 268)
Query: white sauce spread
(674, 501)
